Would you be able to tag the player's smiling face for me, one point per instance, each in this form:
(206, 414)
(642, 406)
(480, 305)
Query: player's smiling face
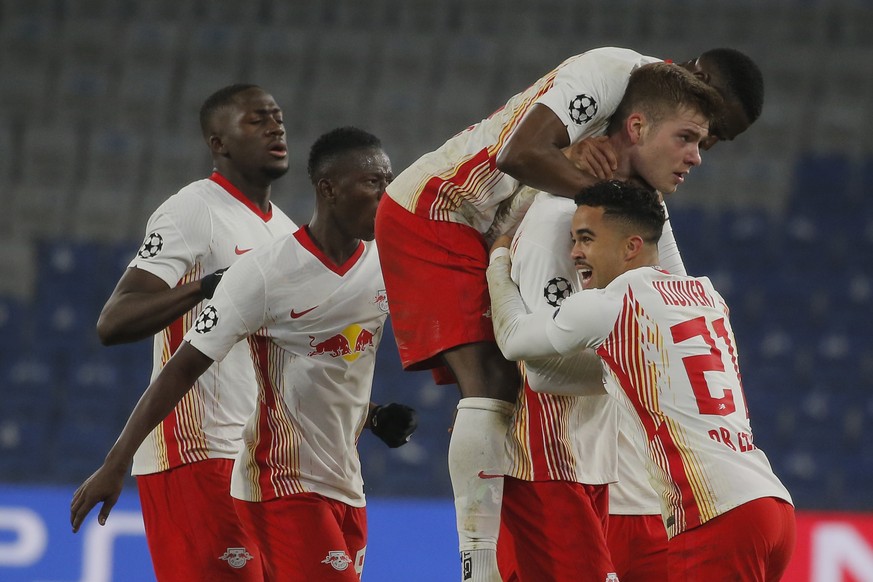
(667, 150)
(362, 176)
(598, 247)
(253, 135)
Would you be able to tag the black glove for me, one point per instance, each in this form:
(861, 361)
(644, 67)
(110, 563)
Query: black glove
(393, 423)
(210, 282)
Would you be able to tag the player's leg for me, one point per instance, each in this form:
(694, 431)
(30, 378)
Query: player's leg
(559, 527)
(306, 536)
(192, 528)
(440, 309)
(752, 543)
(638, 546)
(477, 450)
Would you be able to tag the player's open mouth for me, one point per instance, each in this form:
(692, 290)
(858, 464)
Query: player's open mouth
(584, 275)
(279, 150)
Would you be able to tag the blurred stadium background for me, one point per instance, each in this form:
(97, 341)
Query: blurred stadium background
(98, 125)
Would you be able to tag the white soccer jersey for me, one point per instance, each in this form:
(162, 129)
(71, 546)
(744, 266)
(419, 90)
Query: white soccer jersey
(633, 494)
(316, 328)
(560, 437)
(670, 358)
(204, 227)
(556, 437)
(459, 182)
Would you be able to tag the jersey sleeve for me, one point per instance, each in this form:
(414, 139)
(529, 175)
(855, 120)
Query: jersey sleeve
(584, 320)
(668, 249)
(541, 263)
(588, 88)
(177, 234)
(237, 311)
(545, 275)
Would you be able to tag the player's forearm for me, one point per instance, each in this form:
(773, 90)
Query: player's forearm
(163, 394)
(668, 250)
(132, 316)
(533, 155)
(520, 335)
(545, 168)
(579, 374)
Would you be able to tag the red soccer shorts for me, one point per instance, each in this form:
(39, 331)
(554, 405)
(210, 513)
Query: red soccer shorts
(192, 529)
(306, 536)
(553, 530)
(752, 543)
(638, 546)
(435, 279)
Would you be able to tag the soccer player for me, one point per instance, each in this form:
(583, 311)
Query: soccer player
(183, 466)
(562, 450)
(435, 224)
(313, 307)
(670, 359)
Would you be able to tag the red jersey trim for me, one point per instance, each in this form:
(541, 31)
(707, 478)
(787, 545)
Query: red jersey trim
(235, 192)
(304, 237)
(170, 425)
(620, 353)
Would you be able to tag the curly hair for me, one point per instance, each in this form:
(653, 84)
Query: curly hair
(638, 209)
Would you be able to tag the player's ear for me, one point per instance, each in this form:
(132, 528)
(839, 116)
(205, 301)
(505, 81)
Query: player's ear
(216, 144)
(702, 75)
(634, 126)
(633, 246)
(324, 189)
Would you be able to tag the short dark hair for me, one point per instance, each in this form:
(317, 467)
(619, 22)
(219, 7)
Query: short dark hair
(638, 208)
(660, 89)
(336, 142)
(224, 97)
(741, 78)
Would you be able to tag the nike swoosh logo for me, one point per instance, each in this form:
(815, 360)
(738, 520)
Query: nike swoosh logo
(484, 475)
(296, 314)
(240, 251)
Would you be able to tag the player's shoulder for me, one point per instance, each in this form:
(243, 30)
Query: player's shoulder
(193, 196)
(279, 214)
(615, 56)
(641, 276)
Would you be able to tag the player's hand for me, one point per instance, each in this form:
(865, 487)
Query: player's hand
(593, 155)
(210, 282)
(104, 485)
(393, 423)
(503, 241)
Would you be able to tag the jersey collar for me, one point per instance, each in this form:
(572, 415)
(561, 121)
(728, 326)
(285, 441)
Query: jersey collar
(234, 191)
(305, 239)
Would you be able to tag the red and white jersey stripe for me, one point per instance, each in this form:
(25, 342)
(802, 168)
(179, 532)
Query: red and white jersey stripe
(460, 182)
(204, 227)
(553, 437)
(313, 328)
(670, 358)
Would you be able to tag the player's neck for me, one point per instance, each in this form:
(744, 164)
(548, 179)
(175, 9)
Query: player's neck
(330, 240)
(256, 190)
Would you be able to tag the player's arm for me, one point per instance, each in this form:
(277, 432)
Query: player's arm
(533, 155)
(520, 335)
(668, 249)
(594, 155)
(159, 399)
(584, 319)
(142, 304)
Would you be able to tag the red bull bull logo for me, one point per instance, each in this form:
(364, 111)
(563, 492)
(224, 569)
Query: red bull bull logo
(381, 301)
(349, 344)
